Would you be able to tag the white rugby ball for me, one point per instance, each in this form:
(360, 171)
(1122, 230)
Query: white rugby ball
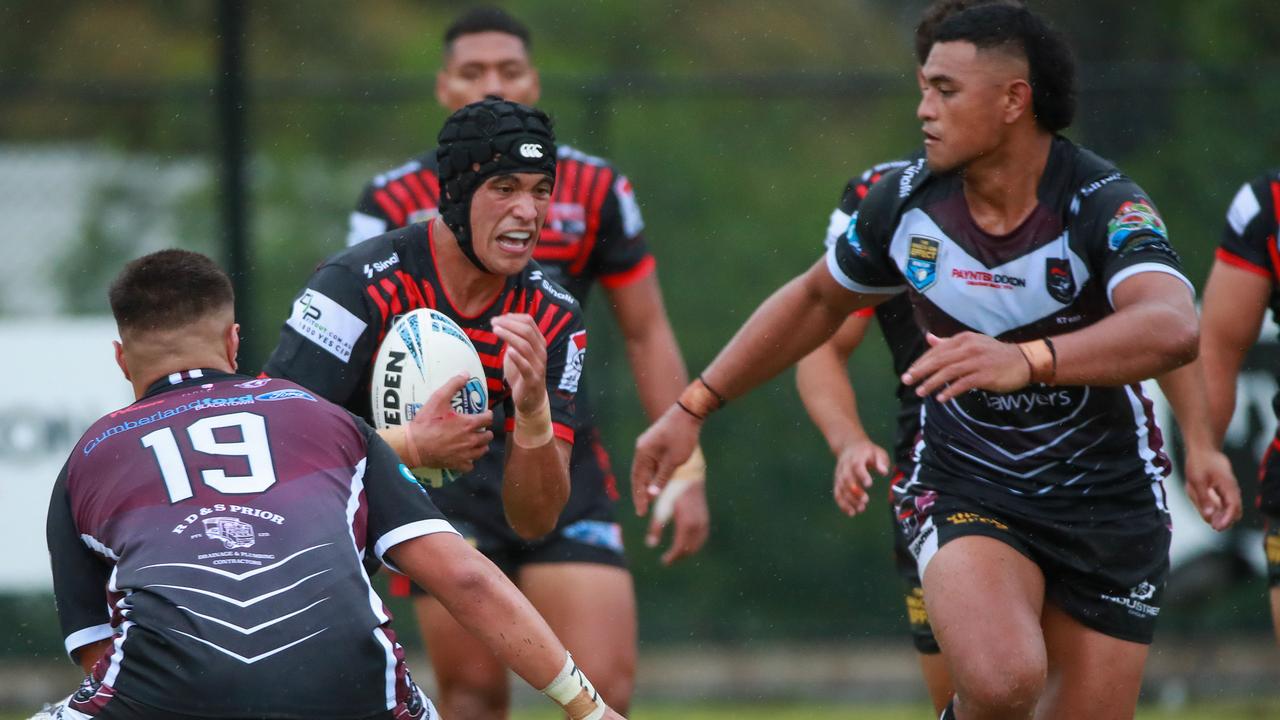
(423, 349)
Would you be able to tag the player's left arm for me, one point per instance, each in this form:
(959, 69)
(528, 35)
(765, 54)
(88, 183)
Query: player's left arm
(535, 477)
(1210, 481)
(79, 582)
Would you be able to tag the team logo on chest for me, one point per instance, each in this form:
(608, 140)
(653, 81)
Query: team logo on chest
(922, 262)
(1058, 279)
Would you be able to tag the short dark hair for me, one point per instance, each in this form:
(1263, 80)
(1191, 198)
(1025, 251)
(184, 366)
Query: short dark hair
(486, 18)
(168, 289)
(1049, 58)
(938, 13)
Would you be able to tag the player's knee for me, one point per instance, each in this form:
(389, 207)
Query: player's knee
(1004, 687)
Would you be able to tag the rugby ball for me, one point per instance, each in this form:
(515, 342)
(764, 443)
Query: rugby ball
(422, 350)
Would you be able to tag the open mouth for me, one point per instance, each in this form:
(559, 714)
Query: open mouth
(515, 241)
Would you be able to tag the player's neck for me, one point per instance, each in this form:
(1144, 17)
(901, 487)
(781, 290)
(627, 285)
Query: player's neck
(150, 372)
(1001, 187)
(469, 289)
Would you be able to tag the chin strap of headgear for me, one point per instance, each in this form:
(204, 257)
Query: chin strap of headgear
(484, 139)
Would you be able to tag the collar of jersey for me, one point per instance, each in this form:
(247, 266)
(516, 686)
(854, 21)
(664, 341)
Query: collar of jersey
(196, 376)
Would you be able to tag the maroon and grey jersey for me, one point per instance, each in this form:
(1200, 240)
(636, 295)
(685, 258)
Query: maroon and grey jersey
(901, 334)
(1249, 240)
(594, 229)
(217, 529)
(1055, 447)
(330, 340)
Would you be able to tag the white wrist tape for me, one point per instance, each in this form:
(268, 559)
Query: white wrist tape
(693, 471)
(572, 691)
(534, 429)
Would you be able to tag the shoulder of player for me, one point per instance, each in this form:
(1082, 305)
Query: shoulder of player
(1256, 201)
(533, 278)
(425, 161)
(380, 254)
(887, 198)
(568, 154)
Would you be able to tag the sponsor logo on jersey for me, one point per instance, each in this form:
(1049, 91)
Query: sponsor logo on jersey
(407, 474)
(1028, 400)
(568, 219)
(159, 415)
(965, 518)
(287, 394)
(556, 292)
(381, 266)
(1058, 280)
(1136, 603)
(532, 151)
(254, 384)
(982, 278)
(320, 319)
(922, 262)
(599, 533)
(470, 399)
(1134, 216)
(232, 532)
(1097, 185)
(632, 221)
(576, 355)
(907, 176)
(851, 236)
(203, 514)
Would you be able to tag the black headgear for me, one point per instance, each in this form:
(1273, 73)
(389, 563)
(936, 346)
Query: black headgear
(484, 139)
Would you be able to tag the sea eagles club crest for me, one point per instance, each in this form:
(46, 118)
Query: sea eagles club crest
(1059, 280)
(922, 262)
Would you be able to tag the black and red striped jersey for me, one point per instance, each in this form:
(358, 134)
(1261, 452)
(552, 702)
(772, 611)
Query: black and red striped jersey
(338, 321)
(594, 229)
(1051, 450)
(218, 530)
(901, 334)
(1250, 238)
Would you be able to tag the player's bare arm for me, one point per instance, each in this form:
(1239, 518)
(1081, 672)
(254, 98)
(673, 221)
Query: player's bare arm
(438, 437)
(535, 485)
(786, 327)
(1234, 303)
(660, 375)
(1210, 481)
(484, 601)
(827, 393)
(1152, 331)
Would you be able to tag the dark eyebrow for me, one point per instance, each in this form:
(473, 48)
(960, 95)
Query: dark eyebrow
(938, 78)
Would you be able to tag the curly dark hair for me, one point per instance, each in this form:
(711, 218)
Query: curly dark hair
(938, 13)
(1017, 29)
(168, 289)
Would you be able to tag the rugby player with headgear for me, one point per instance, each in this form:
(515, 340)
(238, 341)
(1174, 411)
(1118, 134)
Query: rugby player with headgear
(823, 383)
(594, 235)
(1047, 288)
(497, 165)
(209, 542)
(1243, 284)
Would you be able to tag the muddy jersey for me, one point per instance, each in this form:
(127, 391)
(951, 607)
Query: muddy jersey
(894, 315)
(1041, 449)
(1249, 241)
(217, 528)
(594, 229)
(330, 340)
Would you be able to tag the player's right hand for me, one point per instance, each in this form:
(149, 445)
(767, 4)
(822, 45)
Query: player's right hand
(659, 451)
(446, 439)
(853, 474)
(1212, 487)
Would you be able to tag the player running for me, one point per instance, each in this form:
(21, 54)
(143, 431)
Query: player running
(226, 522)
(1242, 286)
(593, 235)
(1048, 290)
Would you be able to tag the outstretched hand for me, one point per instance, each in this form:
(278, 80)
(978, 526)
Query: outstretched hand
(659, 451)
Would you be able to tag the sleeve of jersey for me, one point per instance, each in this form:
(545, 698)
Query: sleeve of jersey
(859, 258)
(1249, 238)
(329, 338)
(79, 575)
(566, 356)
(1134, 239)
(621, 255)
(369, 218)
(399, 507)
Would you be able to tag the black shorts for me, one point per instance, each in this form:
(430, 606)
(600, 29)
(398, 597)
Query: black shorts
(1109, 575)
(588, 530)
(905, 563)
(1269, 508)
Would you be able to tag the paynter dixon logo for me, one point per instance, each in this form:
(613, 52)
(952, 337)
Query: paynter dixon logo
(922, 262)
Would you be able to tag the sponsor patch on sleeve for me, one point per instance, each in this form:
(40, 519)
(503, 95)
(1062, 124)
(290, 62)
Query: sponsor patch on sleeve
(632, 222)
(320, 319)
(576, 356)
(1244, 208)
(1134, 217)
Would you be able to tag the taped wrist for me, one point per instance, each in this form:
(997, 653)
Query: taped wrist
(700, 400)
(693, 471)
(534, 429)
(1041, 359)
(572, 691)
